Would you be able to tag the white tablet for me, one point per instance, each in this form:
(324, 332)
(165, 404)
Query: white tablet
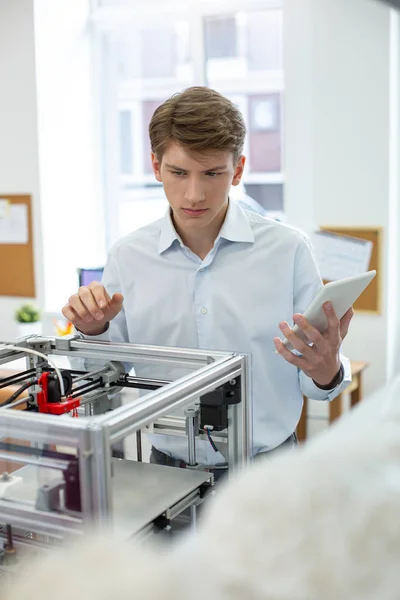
(341, 293)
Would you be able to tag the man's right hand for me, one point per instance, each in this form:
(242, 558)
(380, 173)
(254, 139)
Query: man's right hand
(91, 309)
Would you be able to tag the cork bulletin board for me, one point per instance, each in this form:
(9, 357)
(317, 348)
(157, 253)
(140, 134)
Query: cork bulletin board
(17, 273)
(370, 299)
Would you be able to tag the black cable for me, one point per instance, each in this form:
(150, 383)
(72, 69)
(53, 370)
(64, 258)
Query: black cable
(9, 536)
(140, 386)
(88, 384)
(214, 447)
(140, 383)
(30, 450)
(18, 392)
(6, 381)
(84, 389)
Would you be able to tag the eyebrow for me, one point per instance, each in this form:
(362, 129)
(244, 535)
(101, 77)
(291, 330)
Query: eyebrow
(220, 168)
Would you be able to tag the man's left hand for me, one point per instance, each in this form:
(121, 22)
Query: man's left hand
(321, 360)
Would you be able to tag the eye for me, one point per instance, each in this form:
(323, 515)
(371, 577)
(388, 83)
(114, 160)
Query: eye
(178, 173)
(212, 174)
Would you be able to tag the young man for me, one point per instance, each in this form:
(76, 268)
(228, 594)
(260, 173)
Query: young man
(211, 275)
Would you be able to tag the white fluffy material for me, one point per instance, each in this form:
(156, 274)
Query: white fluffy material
(318, 523)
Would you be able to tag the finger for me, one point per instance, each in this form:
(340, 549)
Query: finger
(115, 305)
(345, 322)
(76, 304)
(297, 343)
(117, 299)
(100, 294)
(333, 322)
(298, 361)
(90, 303)
(311, 333)
(71, 315)
(66, 311)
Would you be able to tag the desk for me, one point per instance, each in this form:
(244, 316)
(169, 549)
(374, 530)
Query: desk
(6, 392)
(355, 389)
(6, 465)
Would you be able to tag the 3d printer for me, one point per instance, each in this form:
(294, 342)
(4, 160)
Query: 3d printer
(59, 473)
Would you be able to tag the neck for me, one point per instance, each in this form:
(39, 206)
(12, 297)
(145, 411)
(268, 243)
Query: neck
(199, 245)
(201, 241)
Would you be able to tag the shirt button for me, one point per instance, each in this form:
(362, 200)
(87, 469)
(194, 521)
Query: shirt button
(201, 270)
(204, 310)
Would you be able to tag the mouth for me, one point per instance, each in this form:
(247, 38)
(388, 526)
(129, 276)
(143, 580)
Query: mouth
(194, 212)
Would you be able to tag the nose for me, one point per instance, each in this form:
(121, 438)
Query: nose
(194, 192)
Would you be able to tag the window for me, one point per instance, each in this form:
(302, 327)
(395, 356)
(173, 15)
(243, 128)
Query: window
(264, 133)
(264, 40)
(125, 141)
(221, 37)
(148, 51)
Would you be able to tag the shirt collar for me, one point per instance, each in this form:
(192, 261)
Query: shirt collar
(235, 228)
(167, 233)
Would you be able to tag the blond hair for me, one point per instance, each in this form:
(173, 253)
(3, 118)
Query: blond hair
(200, 120)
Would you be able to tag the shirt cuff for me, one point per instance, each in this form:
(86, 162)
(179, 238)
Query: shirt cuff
(102, 337)
(312, 391)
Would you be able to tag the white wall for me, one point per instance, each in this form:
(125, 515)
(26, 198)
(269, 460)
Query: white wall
(337, 137)
(49, 143)
(70, 171)
(18, 131)
(394, 202)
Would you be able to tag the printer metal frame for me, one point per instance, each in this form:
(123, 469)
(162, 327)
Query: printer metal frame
(94, 436)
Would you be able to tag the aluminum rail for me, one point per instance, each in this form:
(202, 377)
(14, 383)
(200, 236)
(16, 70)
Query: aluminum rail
(137, 353)
(46, 523)
(129, 418)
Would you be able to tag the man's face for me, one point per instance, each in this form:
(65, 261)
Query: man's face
(197, 189)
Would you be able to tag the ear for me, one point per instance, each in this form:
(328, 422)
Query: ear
(156, 164)
(239, 170)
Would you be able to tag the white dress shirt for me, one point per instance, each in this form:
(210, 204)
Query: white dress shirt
(259, 272)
